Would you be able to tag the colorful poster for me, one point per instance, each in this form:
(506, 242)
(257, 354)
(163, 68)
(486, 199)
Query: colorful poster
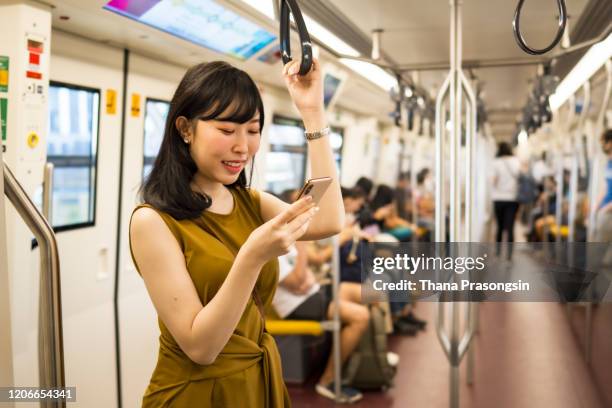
(4, 73)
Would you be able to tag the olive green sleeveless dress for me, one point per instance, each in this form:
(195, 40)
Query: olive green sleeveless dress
(247, 372)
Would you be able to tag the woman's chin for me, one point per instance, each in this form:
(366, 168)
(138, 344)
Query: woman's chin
(228, 179)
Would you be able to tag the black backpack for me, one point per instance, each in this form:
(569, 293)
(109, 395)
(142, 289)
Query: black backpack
(368, 367)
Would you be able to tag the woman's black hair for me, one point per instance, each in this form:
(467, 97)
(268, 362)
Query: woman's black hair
(421, 175)
(504, 149)
(365, 185)
(384, 196)
(214, 90)
(606, 136)
(353, 193)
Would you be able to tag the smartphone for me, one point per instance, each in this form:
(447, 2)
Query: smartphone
(315, 188)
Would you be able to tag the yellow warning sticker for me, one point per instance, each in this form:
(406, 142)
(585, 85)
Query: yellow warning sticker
(4, 73)
(33, 139)
(111, 102)
(135, 105)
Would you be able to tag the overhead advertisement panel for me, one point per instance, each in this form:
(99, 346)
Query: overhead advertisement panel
(203, 22)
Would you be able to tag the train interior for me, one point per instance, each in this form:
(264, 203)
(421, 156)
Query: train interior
(418, 97)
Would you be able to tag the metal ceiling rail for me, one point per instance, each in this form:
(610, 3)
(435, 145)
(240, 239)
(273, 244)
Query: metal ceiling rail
(50, 340)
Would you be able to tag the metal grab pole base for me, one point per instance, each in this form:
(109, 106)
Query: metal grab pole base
(336, 320)
(454, 386)
(588, 330)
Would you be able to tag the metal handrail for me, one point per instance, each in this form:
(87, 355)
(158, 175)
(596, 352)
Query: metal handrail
(595, 173)
(470, 148)
(440, 214)
(519, 36)
(50, 342)
(560, 167)
(47, 203)
(336, 318)
(455, 84)
(576, 142)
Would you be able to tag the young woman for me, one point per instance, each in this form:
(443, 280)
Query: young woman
(506, 170)
(206, 245)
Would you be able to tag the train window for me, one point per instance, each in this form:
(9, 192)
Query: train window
(156, 112)
(286, 163)
(72, 148)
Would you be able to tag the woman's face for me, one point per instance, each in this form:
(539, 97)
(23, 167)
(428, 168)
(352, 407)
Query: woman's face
(352, 205)
(222, 149)
(606, 146)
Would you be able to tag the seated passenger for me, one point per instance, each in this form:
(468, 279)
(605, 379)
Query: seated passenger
(425, 201)
(384, 211)
(403, 196)
(351, 241)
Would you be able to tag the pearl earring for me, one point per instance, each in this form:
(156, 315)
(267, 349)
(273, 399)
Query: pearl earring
(186, 140)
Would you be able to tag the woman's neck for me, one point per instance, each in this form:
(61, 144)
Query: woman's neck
(213, 189)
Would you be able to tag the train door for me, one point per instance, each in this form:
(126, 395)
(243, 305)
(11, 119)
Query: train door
(83, 145)
(150, 86)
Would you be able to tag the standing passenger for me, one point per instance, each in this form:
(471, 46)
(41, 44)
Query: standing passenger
(506, 170)
(206, 245)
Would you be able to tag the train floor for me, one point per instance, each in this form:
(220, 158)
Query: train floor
(526, 355)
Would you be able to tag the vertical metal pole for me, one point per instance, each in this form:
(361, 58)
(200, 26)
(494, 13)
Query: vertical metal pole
(577, 142)
(440, 214)
(597, 156)
(558, 204)
(48, 193)
(336, 318)
(455, 191)
(471, 128)
(6, 339)
(560, 167)
(413, 183)
(594, 176)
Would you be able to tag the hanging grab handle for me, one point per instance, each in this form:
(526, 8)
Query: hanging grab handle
(519, 37)
(290, 7)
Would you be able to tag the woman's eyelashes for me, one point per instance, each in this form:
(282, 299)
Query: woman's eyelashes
(227, 131)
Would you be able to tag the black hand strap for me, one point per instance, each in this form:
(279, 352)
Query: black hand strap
(519, 37)
(290, 7)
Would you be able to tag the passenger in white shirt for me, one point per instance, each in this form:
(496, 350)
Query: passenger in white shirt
(506, 171)
(541, 170)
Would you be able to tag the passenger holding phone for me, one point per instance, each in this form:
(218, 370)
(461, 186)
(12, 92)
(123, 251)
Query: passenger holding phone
(206, 245)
